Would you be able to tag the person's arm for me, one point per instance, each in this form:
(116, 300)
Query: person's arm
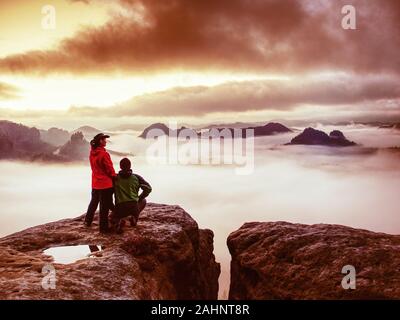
(108, 165)
(145, 186)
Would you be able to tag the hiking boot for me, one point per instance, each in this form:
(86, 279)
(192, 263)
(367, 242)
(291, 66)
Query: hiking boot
(86, 224)
(133, 221)
(120, 228)
(113, 225)
(105, 231)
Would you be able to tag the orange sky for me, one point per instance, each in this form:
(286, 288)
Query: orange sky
(194, 61)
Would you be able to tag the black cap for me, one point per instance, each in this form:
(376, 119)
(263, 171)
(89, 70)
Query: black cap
(96, 140)
(100, 136)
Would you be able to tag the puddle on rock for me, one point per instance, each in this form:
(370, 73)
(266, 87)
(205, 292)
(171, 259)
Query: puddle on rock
(70, 254)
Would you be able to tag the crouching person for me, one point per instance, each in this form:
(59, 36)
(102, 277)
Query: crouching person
(128, 202)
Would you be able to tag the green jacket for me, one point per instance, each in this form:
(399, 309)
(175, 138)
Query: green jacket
(127, 186)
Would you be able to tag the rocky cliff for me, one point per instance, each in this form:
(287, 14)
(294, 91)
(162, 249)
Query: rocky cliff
(77, 148)
(294, 261)
(166, 256)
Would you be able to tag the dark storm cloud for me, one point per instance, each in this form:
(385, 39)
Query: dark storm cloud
(238, 35)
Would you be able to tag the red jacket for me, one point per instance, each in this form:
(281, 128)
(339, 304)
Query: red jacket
(102, 168)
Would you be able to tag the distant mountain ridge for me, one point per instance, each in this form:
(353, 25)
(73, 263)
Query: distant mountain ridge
(19, 141)
(88, 131)
(265, 130)
(390, 126)
(58, 137)
(238, 124)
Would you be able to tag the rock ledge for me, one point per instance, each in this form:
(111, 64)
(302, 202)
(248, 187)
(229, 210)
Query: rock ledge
(280, 260)
(166, 256)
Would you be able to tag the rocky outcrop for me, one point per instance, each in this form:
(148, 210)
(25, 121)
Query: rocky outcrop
(166, 256)
(312, 136)
(55, 136)
(76, 148)
(294, 261)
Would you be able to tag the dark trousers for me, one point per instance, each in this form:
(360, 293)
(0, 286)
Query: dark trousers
(131, 208)
(105, 198)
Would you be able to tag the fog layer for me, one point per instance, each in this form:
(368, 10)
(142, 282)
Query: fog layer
(358, 187)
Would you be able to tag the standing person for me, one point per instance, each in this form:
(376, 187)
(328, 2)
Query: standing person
(103, 174)
(128, 202)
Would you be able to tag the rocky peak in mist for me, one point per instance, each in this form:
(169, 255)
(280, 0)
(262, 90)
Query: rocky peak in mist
(55, 136)
(76, 148)
(311, 136)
